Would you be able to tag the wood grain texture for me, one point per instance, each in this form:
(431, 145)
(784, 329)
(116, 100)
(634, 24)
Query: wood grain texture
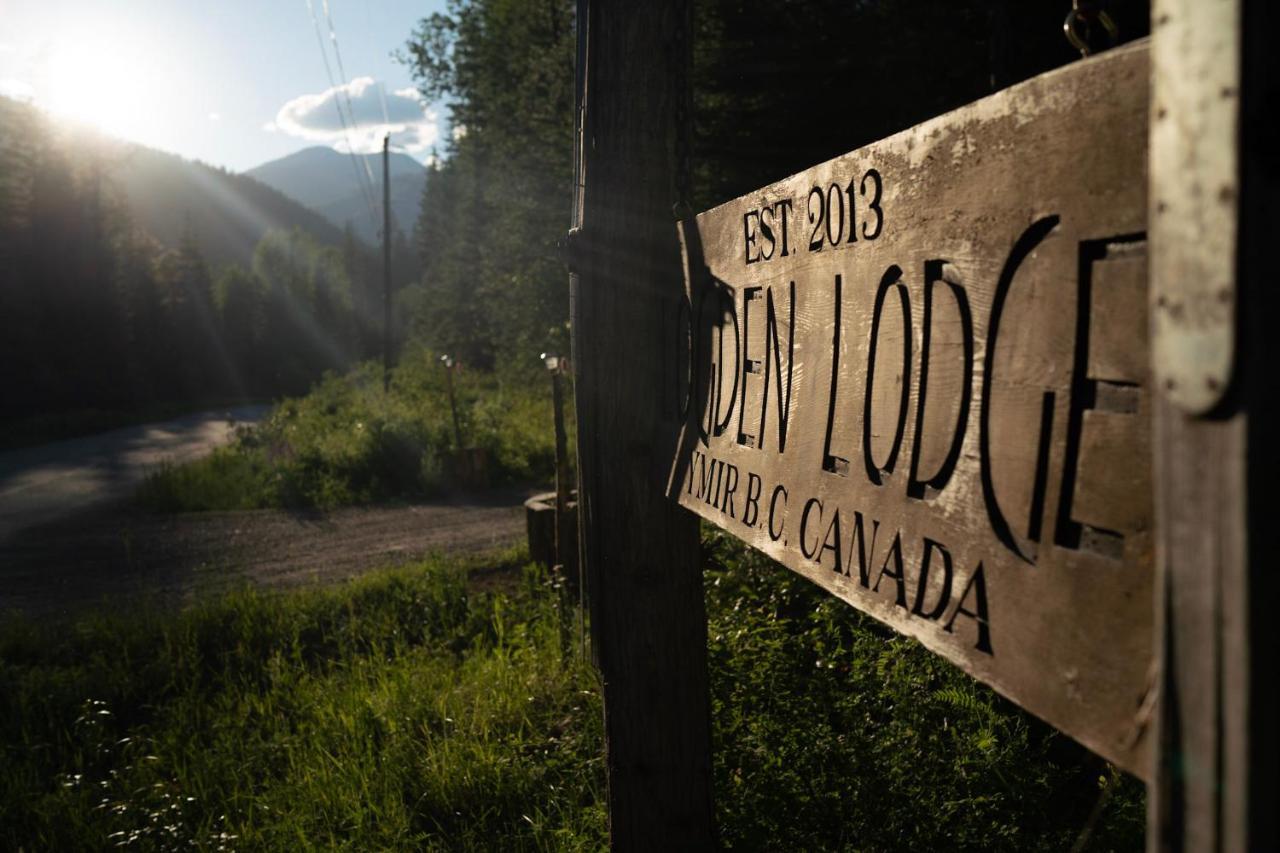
(639, 552)
(1201, 550)
(1216, 455)
(917, 374)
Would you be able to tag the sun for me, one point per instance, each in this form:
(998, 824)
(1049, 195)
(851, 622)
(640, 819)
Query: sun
(103, 83)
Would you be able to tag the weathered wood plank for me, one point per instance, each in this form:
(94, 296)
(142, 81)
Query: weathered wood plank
(908, 374)
(1214, 221)
(1201, 512)
(639, 551)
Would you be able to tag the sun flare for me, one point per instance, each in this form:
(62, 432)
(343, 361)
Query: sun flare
(104, 84)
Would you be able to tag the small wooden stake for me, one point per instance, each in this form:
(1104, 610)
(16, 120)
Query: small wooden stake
(448, 362)
(566, 540)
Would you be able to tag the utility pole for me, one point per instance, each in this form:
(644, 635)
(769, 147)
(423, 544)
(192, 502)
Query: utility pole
(386, 263)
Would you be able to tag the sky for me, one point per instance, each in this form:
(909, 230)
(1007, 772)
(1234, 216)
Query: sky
(233, 83)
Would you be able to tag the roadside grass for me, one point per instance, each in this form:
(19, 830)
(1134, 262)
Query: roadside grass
(408, 710)
(397, 712)
(229, 478)
(347, 442)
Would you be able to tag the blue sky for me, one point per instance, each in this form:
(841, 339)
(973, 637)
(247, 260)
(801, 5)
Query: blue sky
(233, 83)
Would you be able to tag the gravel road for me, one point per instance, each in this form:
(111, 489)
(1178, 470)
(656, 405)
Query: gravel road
(120, 555)
(58, 480)
(71, 538)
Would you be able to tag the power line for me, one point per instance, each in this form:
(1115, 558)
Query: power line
(362, 179)
(382, 99)
(342, 73)
(348, 123)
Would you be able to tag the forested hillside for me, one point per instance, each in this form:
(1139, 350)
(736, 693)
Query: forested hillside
(96, 312)
(228, 213)
(167, 195)
(494, 289)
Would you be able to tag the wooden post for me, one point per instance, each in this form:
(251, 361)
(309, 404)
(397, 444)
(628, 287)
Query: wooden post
(448, 362)
(1213, 219)
(639, 550)
(566, 541)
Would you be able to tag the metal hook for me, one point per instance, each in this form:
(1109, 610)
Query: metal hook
(1078, 20)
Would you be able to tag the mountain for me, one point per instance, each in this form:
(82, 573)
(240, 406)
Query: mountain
(227, 212)
(326, 181)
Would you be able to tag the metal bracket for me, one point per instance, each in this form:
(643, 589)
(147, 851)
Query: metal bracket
(1194, 165)
(573, 249)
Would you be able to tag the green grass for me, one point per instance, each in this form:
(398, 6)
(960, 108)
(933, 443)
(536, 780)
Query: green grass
(347, 442)
(409, 711)
(398, 712)
(833, 733)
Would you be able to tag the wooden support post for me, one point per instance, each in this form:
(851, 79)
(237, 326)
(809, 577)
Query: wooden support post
(449, 363)
(1214, 185)
(566, 540)
(639, 550)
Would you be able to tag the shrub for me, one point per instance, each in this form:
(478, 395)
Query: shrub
(348, 442)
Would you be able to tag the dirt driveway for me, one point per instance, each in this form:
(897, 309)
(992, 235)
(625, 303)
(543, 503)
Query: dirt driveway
(118, 553)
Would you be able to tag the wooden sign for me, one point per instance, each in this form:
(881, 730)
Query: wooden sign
(918, 374)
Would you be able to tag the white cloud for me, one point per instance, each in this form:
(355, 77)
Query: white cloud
(19, 90)
(412, 126)
(215, 116)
